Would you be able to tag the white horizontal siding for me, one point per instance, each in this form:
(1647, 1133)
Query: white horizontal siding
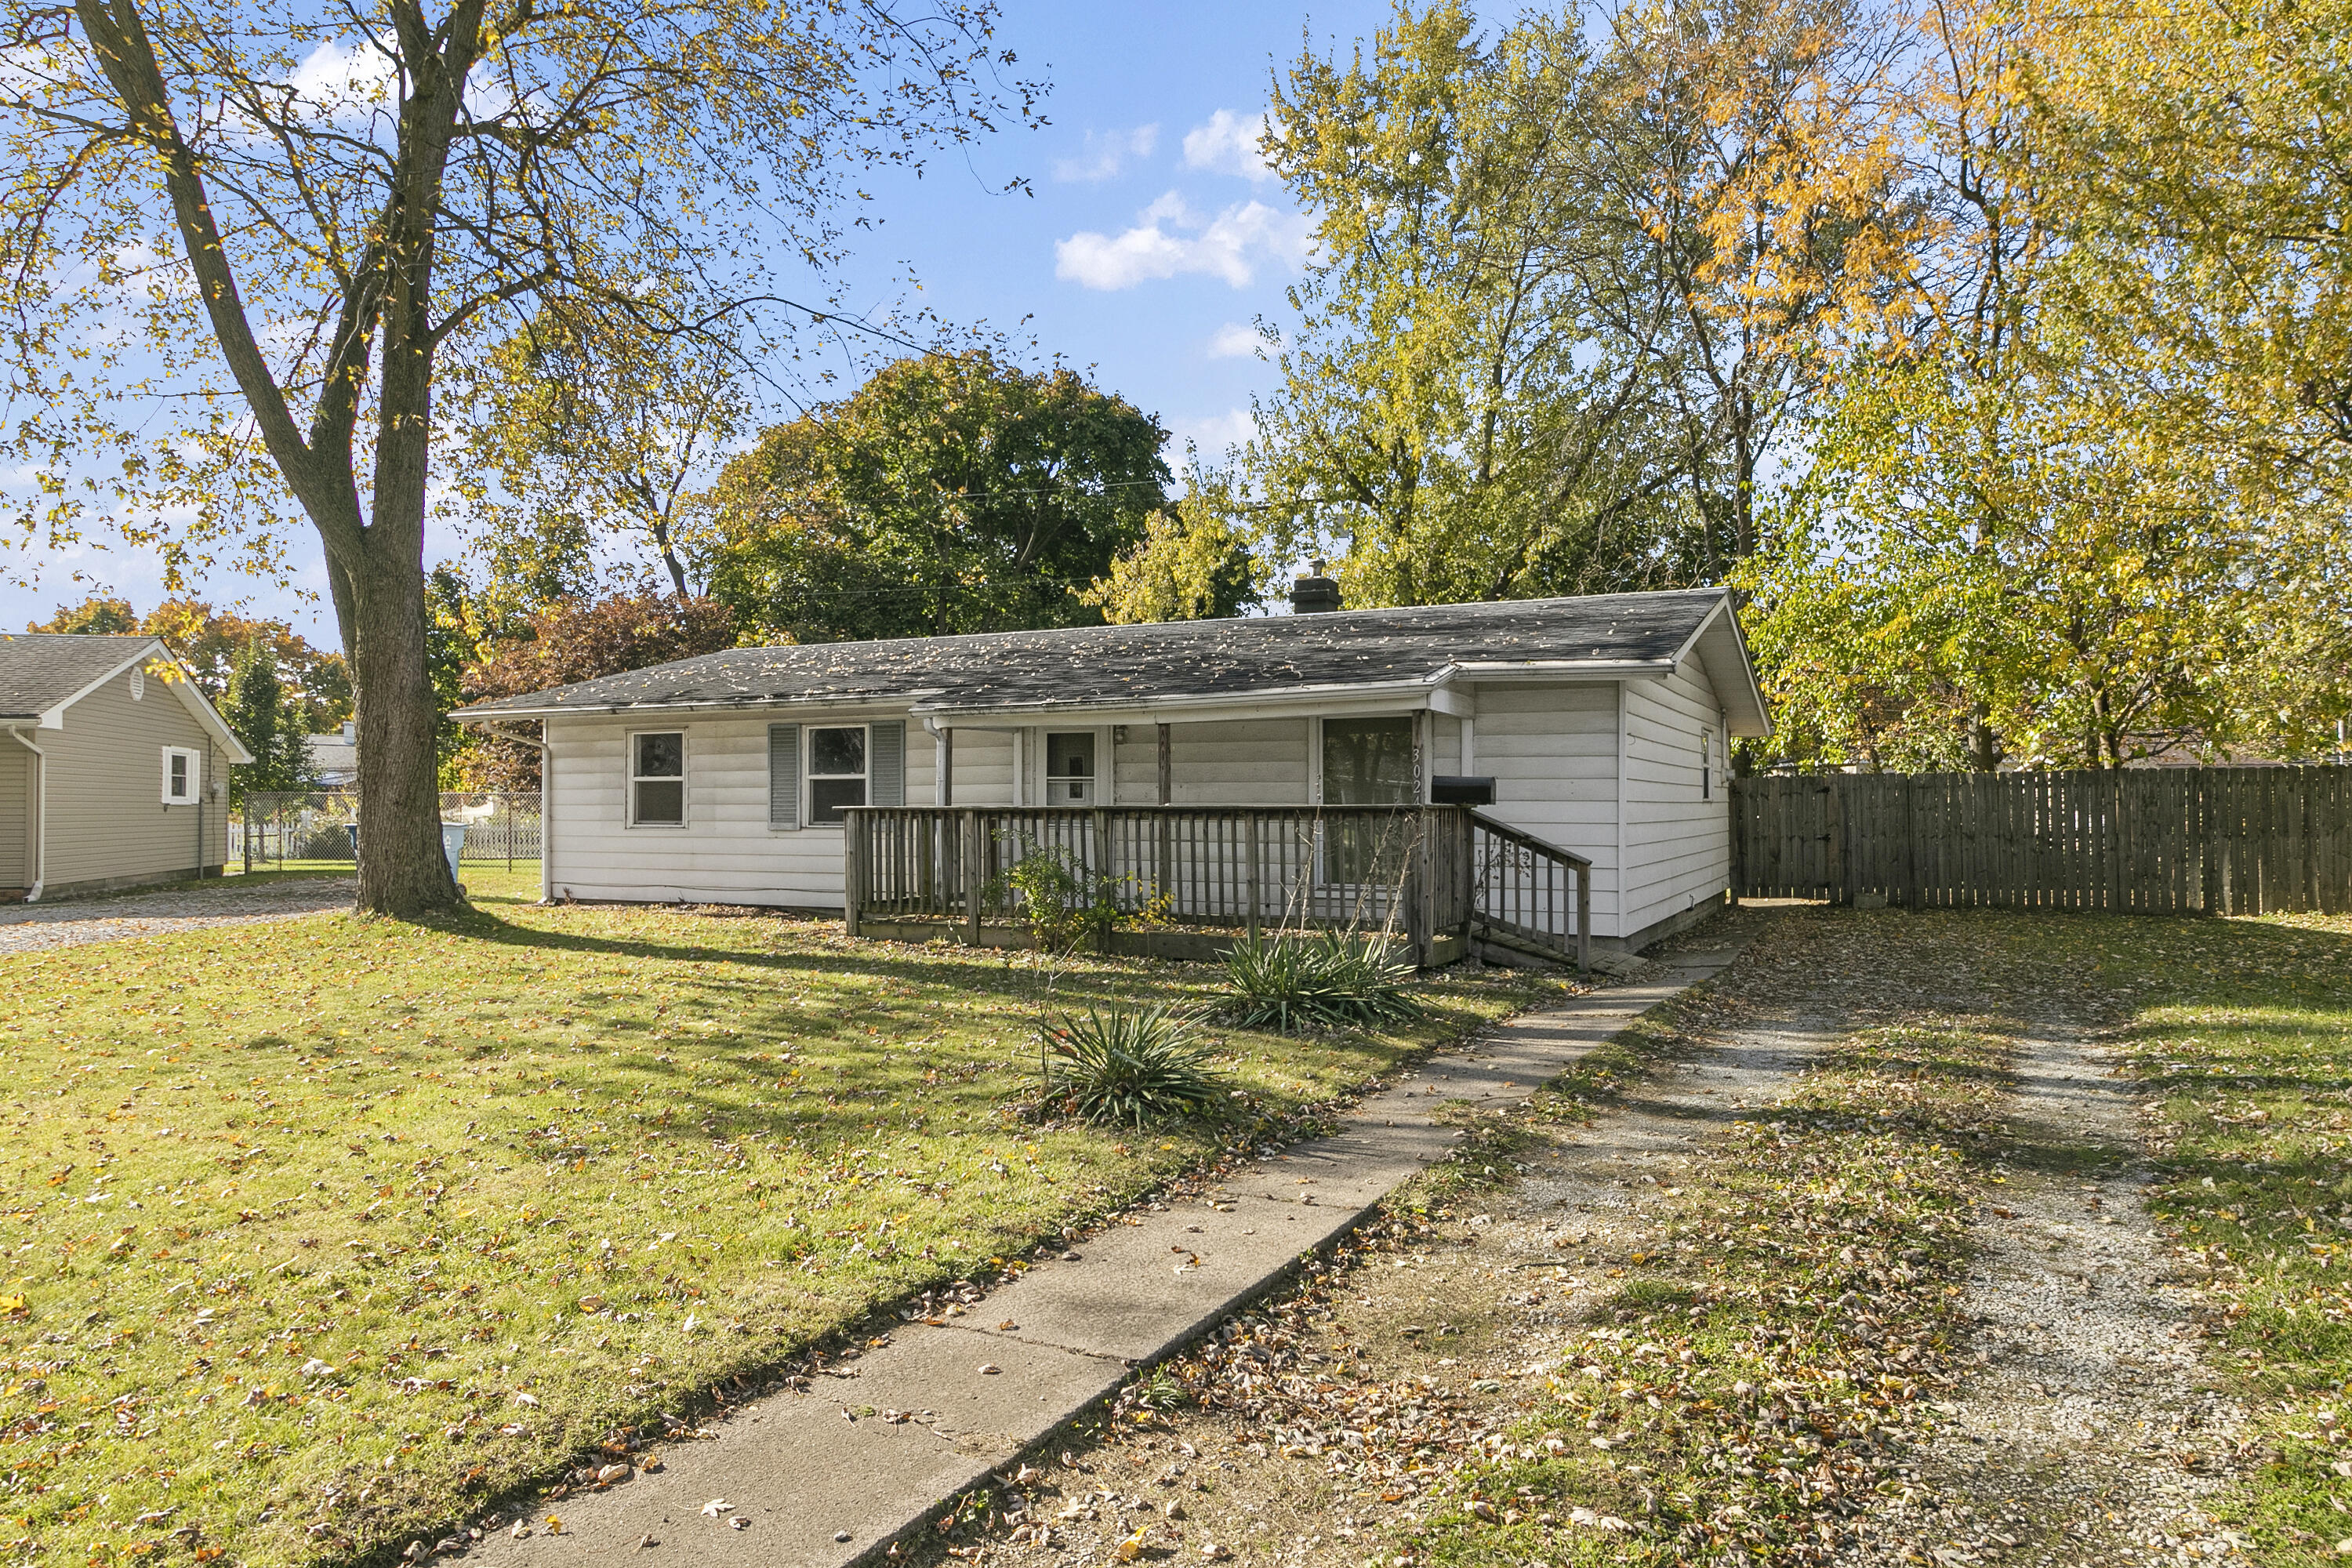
(1677, 812)
(1241, 761)
(1552, 754)
(725, 852)
(984, 767)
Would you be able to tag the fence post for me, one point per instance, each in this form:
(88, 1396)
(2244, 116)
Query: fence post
(1250, 824)
(853, 869)
(1583, 920)
(972, 876)
(247, 810)
(1911, 842)
(1838, 892)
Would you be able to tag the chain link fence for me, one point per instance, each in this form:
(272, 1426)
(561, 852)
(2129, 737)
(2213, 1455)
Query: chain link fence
(297, 829)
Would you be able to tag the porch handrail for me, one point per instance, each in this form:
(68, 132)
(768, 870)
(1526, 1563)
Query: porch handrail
(1527, 892)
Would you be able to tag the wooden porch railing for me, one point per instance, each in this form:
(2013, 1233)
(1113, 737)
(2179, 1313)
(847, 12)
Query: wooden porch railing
(1419, 872)
(1528, 894)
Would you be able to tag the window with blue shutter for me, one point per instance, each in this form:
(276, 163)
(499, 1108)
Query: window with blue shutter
(783, 775)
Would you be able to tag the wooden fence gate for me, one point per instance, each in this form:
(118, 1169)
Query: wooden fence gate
(2230, 841)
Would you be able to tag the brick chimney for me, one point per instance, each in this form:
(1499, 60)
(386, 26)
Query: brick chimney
(1314, 594)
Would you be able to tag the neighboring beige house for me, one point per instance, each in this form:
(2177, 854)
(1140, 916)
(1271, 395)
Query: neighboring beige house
(113, 768)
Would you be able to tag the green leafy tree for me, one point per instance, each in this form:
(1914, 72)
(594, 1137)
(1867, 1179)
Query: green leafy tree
(950, 493)
(2011, 546)
(266, 719)
(98, 616)
(1568, 297)
(1193, 563)
(595, 428)
(250, 252)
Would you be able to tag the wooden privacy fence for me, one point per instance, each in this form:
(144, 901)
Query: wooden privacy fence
(2229, 841)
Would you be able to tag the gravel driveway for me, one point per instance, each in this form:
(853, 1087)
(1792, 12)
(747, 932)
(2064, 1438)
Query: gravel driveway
(32, 928)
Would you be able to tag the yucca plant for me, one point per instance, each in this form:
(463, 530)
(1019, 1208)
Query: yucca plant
(1328, 980)
(1129, 1066)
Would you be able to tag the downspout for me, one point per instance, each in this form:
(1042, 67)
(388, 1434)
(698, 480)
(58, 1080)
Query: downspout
(40, 817)
(942, 762)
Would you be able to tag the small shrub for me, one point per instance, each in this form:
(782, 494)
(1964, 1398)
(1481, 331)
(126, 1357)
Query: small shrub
(1296, 981)
(1067, 908)
(1127, 1067)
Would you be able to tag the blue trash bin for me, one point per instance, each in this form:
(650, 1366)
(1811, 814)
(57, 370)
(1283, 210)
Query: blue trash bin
(354, 828)
(453, 844)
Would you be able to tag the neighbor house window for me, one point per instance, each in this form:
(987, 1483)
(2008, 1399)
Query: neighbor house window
(1707, 765)
(183, 776)
(658, 779)
(836, 773)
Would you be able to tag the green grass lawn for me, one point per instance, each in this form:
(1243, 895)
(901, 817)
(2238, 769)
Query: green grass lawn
(320, 1233)
(2244, 1029)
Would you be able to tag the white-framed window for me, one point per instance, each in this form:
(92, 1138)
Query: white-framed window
(658, 778)
(1070, 768)
(1707, 765)
(836, 772)
(183, 776)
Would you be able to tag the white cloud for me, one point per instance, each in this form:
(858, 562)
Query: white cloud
(1169, 238)
(1213, 433)
(1227, 145)
(1234, 341)
(339, 79)
(1106, 153)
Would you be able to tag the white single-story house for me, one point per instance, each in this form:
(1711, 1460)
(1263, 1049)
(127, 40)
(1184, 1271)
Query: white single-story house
(1597, 726)
(113, 768)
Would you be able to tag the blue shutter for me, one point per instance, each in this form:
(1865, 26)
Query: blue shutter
(887, 768)
(783, 775)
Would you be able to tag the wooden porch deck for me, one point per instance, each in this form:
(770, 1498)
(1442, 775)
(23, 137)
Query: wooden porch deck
(1416, 874)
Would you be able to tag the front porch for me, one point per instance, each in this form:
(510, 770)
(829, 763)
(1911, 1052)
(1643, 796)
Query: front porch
(1439, 881)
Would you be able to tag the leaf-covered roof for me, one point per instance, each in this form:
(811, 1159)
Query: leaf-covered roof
(1112, 666)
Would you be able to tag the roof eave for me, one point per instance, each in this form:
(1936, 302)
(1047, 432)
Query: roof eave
(481, 715)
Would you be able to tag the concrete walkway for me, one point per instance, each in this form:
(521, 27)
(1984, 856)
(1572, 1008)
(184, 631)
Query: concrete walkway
(816, 1487)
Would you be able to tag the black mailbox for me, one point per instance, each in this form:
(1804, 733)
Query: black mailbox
(1456, 789)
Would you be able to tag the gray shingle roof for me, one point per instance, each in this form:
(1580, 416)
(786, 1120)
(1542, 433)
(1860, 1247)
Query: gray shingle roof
(41, 670)
(1115, 666)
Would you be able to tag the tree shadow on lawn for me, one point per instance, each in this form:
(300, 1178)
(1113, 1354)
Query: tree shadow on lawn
(973, 1076)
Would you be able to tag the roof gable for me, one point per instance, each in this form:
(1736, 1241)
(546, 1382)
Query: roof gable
(44, 673)
(41, 670)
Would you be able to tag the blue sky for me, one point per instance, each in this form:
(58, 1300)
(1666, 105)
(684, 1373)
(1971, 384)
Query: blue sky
(1151, 242)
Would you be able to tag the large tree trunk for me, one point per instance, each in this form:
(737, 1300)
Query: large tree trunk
(402, 870)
